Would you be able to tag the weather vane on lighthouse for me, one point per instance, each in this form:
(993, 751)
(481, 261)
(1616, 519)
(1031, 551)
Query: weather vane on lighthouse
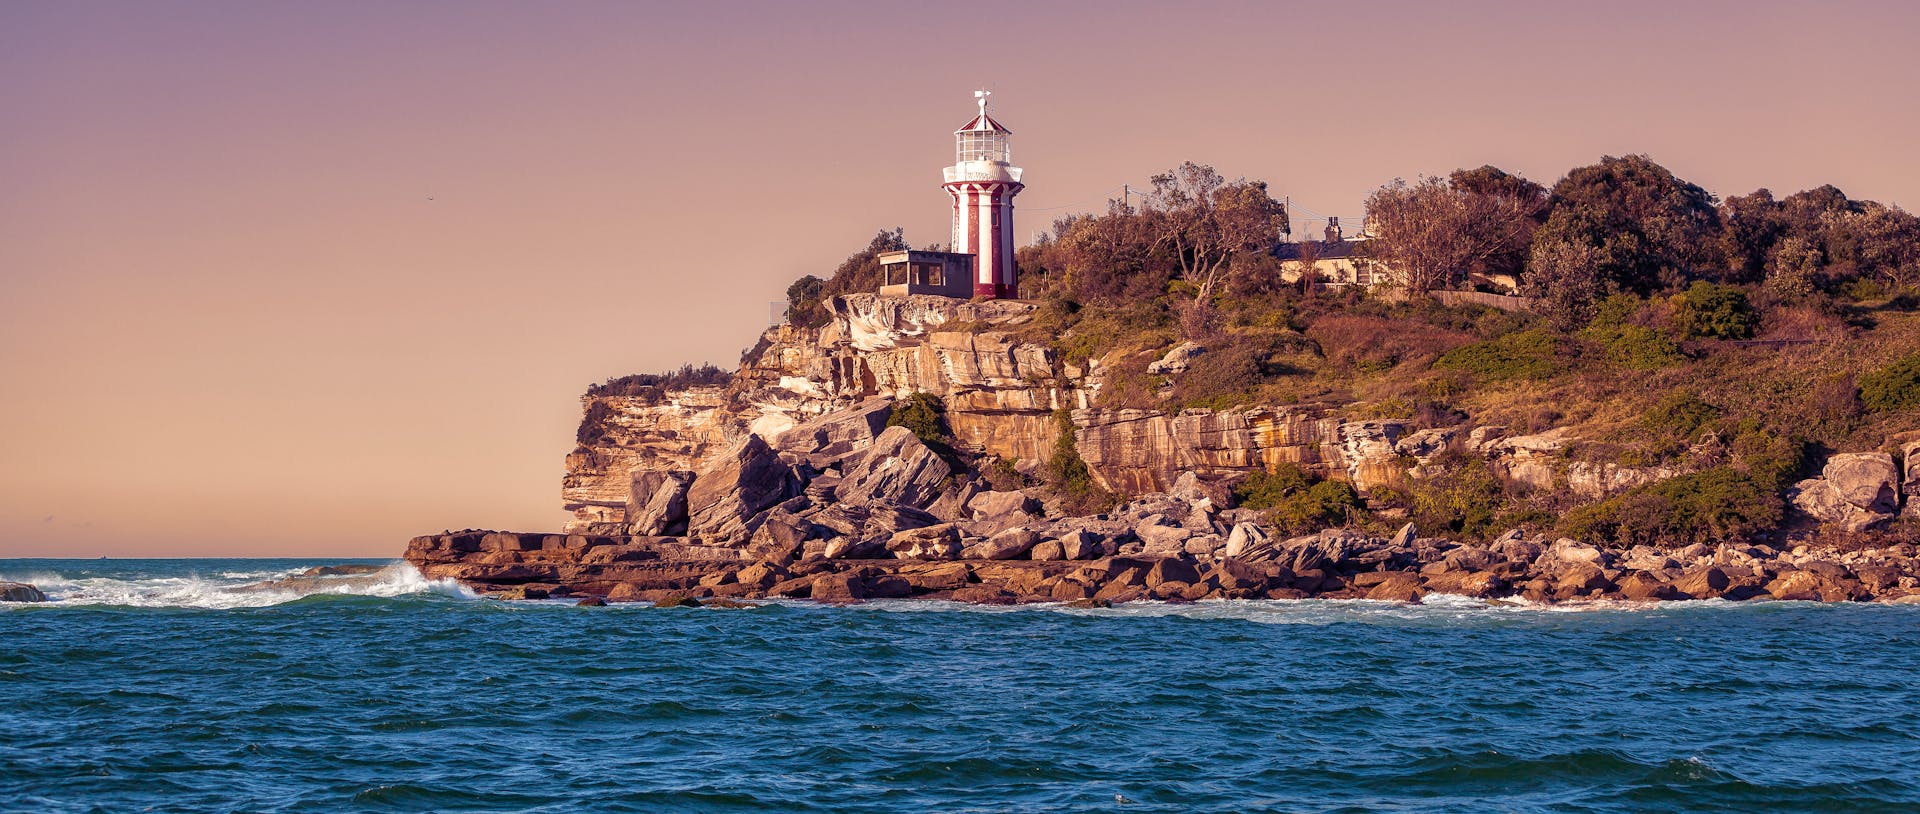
(982, 181)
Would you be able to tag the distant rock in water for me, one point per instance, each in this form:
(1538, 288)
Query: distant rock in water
(342, 570)
(20, 592)
(324, 578)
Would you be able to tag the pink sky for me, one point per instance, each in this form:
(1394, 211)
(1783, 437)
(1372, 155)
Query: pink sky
(312, 278)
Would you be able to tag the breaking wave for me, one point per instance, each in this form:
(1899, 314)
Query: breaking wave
(230, 589)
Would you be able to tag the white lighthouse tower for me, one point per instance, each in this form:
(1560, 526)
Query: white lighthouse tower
(983, 182)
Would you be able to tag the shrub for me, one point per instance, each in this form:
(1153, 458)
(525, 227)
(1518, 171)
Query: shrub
(1719, 505)
(1710, 310)
(1532, 354)
(1678, 415)
(653, 384)
(1265, 490)
(1324, 504)
(1894, 387)
(593, 425)
(1464, 497)
(1069, 474)
(1772, 460)
(925, 416)
(1636, 348)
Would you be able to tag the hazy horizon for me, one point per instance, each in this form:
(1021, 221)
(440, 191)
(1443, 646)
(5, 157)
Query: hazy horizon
(311, 279)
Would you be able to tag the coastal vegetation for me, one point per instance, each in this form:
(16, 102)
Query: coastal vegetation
(1733, 339)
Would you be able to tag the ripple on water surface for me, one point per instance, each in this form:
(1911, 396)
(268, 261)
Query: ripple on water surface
(131, 692)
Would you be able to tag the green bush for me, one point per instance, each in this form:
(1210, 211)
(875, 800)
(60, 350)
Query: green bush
(1773, 460)
(1678, 415)
(925, 415)
(1325, 504)
(1070, 471)
(1265, 490)
(1894, 387)
(1636, 348)
(1532, 354)
(1464, 497)
(1710, 310)
(1720, 505)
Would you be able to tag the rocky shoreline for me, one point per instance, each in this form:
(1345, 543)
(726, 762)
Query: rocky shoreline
(844, 508)
(1332, 564)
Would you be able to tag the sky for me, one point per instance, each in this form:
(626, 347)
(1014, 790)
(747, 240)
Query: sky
(311, 278)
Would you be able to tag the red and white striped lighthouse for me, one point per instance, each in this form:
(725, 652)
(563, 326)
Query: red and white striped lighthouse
(983, 182)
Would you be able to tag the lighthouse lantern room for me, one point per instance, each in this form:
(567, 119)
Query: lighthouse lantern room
(982, 181)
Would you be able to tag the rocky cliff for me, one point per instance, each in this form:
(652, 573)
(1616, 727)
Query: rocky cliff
(788, 481)
(1001, 394)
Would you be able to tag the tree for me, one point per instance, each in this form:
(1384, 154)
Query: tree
(1205, 220)
(1751, 225)
(859, 272)
(1431, 232)
(1488, 181)
(1649, 230)
(1565, 276)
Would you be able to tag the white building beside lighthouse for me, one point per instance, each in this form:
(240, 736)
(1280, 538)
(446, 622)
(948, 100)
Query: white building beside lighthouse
(982, 182)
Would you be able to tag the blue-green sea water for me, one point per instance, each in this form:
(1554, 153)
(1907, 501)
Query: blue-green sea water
(155, 685)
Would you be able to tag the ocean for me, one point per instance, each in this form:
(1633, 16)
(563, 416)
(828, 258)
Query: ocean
(157, 685)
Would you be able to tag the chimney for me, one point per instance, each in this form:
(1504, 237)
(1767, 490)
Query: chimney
(1333, 230)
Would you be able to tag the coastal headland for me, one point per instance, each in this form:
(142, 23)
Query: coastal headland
(927, 447)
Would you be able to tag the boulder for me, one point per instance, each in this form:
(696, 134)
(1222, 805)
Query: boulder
(952, 504)
(994, 512)
(1868, 480)
(995, 504)
(843, 586)
(1705, 582)
(1910, 487)
(836, 434)
(760, 576)
(1171, 569)
(1080, 544)
(626, 592)
(657, 501)
(20, 592)
(1641, 586)
(1011, 544)
(886, 586)
(1825, 501)
(943, 577)
(734, 488)
(896, 469)
(1580, 579)
(1047, 550)
(1404, 536)
(854, 548)
(1177, 360)
(1398, 586)
(1243, 540)
(1204, 545)
(1162, 539)
(936, 542)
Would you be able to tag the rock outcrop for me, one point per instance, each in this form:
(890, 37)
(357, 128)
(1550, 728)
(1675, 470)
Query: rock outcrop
(20, 592)
(788, 482)
(1855, 491)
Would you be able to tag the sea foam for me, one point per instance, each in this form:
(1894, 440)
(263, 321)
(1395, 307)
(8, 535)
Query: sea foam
(235, 589)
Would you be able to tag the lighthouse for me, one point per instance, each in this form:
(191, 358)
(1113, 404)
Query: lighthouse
(983, 181)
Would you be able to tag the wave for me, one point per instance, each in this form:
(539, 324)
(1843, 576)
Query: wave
(230, 590)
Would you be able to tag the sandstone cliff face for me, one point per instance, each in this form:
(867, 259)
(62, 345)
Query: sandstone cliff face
(626, 434)
(1001, 395)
